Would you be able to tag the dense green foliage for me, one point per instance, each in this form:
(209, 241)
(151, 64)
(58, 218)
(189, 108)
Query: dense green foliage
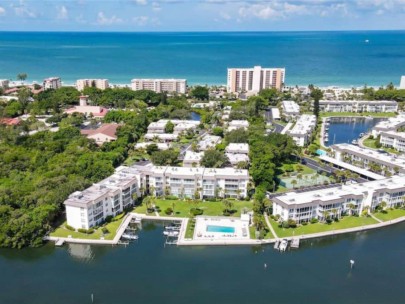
(237, 136)
(213, 159)
(166, 157)
(267, 152)
(200, 92)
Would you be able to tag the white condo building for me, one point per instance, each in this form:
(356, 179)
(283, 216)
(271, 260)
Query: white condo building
(160, 85)
(302, 130)
(358, 106)
(254, 79)
(238, 124)
(352, 198)
(208, 142)
(290, 108)
(387, 164)
(90, 207)
(392, 124)
(101, 84)
(4, 83)
(179, 125)
(392, 139)
(52, 83)
(192, 159)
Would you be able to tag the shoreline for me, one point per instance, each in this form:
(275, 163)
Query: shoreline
(182, 241)
(70, 83)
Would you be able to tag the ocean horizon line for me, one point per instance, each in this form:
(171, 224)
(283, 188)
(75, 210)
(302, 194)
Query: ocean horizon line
(207, 31)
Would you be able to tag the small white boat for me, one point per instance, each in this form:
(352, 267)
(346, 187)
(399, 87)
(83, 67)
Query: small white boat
(326, 139)
(129, 236)
(276, 244)
(361, 135)
(171, 233)
(172, 228)
(354, 142)
(136, 220)
(283, 245)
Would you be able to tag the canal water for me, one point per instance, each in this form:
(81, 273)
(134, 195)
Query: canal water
(346, 129)
(148, 272)
(195, 116)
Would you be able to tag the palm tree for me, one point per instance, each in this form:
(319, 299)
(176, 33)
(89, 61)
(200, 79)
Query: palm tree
(351, 207)
(334, 211)
(383, 205)
(293, 183)
(228, 205)
(152, 190)
(366, 209)
(325, 214)
(167, 190)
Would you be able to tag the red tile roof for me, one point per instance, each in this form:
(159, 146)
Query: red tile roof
(10, 121)
(106, 129)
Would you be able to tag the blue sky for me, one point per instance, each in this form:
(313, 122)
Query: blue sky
(200, 15)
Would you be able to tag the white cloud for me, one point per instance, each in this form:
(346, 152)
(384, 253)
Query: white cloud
(145, 20)
(2, 11)
(63, 13)
(141, 2)
(102, 19)
(260, 11)
(21, 10)
(225, 16)
(156, 7)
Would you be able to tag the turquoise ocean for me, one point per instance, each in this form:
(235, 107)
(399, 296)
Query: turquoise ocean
(323, 58)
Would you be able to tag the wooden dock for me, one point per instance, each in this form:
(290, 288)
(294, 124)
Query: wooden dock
(59, 242)
(295, 243)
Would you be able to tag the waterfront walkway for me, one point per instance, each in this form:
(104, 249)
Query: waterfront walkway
(270, 226)
(183, 241)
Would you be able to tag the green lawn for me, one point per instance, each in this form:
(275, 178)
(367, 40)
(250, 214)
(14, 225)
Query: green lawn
(346, 222)
(190, 229)
(371, 143)
(390, 215)
(182, 208)
(305, 169)
(61, 231)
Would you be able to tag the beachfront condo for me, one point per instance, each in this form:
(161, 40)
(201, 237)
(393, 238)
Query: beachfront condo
(52, 83)
(101, 84)
(160, 85)
(254, 79)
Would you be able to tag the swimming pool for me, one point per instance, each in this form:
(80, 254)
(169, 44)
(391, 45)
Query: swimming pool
(223, 229)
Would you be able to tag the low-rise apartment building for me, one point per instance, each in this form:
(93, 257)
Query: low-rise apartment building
(302, 130)
(160, 85)
(392, 139)
(179, 126)
(392, 124)
(90, 207)
(333, 202)
(160, 146)
(358, 106)
(208, 142)
(192, 159)
(101, 84)
(162, 137)
(290, 109)
(379, 162)
(238, 124)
